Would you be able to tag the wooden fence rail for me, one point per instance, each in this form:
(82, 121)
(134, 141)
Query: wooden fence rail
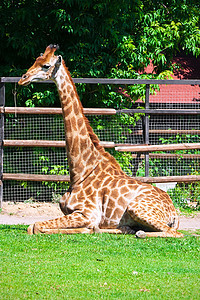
(66, 178)
(45, 143)
(152, 148)
(118, 147)
(54, 111)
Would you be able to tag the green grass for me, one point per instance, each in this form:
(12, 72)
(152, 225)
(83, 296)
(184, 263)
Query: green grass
(97, 266)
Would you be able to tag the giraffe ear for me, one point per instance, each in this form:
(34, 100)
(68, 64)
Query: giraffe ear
(59, 61)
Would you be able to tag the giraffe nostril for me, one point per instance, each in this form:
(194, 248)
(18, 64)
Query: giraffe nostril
(24, 76)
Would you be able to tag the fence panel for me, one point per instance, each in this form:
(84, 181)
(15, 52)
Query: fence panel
(34, 140)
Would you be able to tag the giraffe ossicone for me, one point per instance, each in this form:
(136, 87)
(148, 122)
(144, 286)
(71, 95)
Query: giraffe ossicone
(101, 198)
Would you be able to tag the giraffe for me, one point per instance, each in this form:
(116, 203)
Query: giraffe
(101, 197)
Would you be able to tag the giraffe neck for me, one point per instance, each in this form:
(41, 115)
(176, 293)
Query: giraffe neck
(83, 146)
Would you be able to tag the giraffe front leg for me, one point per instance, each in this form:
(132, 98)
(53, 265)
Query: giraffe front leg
(73, 223)
(170, 233)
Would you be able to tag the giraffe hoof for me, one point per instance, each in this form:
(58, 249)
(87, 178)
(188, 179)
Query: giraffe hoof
(96, 229)
(140, 234)
(30, 229)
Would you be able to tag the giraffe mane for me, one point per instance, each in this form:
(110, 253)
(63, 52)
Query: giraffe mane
(94, 138)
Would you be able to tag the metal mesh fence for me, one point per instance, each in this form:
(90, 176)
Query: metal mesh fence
(51, 127)
(53, 161)
(34, 127)
(175, 129)
(37, 160)
(163, 129)
(17, 191)
(33, 160)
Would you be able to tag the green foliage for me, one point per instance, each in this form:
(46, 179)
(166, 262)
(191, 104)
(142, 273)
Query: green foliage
(56, 170)
(96, 266)
(184, 194)
(181, 138)
(105, 39)
(46, 98)
(189, 167)
(158, 166)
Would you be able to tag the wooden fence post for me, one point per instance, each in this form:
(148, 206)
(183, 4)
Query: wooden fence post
(2, 104)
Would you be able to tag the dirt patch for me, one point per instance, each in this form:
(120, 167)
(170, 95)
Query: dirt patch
(29, 213)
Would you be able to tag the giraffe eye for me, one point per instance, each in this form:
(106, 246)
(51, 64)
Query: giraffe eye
(46, 67)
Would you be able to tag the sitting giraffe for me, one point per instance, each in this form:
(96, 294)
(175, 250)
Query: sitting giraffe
(101, 197)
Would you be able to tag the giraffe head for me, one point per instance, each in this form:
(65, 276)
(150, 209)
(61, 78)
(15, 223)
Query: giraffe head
(45, 67)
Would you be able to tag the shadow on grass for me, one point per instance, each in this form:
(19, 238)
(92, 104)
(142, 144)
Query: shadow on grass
(23, 228)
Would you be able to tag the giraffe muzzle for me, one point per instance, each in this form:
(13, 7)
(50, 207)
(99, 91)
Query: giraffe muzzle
(24, 80)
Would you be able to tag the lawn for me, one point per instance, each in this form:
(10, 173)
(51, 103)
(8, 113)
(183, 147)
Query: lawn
(97, 266)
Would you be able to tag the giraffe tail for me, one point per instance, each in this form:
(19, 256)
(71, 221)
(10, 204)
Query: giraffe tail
(173, 222)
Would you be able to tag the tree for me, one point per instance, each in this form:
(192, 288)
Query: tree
(99, 39)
